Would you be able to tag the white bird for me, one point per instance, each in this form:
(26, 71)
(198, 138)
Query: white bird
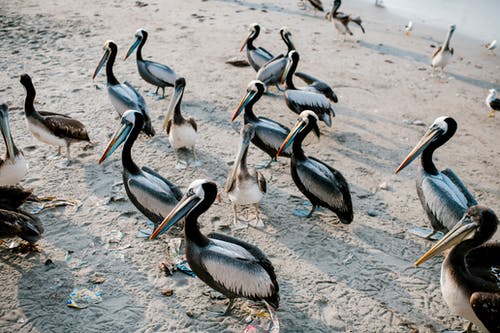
(492, 102)
(408, 28)
(491, 46)
(443, 55)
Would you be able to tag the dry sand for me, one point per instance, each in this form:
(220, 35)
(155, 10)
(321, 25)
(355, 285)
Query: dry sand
(355, 278)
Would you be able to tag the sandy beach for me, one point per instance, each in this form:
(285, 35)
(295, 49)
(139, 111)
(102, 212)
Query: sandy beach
(333, 277)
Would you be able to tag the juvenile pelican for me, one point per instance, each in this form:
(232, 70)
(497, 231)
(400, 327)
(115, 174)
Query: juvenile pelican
(321, 184)
(442, 194)
(182, 132)
(470, 280)
(493, 103)
(245, 186)
(52, 128)
(341, 20)
(307, 98)
(152, 72)
(151, 194)
(443, 55)
(13, 166)
(122, 95)
(230, 266)
(257, 56)
(269, 134)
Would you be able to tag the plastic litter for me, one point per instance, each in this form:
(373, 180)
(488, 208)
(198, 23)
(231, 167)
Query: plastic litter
(262, 321)
(145, 233)
(81, 298)
(174, 260)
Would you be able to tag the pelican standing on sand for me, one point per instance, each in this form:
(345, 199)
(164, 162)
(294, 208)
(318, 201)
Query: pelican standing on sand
(493, 103)
(230, 266)
(13, 166)
(152, 72)
(470, 280)
(307, 98)
(341, 21)
(321, 184)
(443, 55)
(122, 95)
(245, 186)
(269, 134)
(52, 128)
(257, 56)
(442, 194)
(151, 194)
(182, 132)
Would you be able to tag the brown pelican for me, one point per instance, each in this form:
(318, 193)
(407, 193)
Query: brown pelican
(52, 128)
(152, 72)
(492, 102)
(122, 95)
(341, 20)
(151, 194)
(443, 55)
(245, 186)
(13, 166)
(270, 73)
(408, 28)
(257, 56)
(182, 132)
(442, 194)
(321, 184)
(226, 264)
(306, 98)
(269, 134)
(470, 280)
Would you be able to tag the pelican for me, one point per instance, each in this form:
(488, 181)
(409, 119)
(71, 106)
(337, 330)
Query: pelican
(122, 95)
(226, 264)
(269, 134)
(341, 20)
(493, 103)
(491, 46)
(13, 166)
(321, 184)
(152, 72)
(153, 195)
(470, 281)
(182, 132)
(317, 85)
(257, 56)
(271, 72)
(443, 55)
(245, 186)
(408, 28)
(317, 5)
(52, 128)
(442, 194)
(307, 98)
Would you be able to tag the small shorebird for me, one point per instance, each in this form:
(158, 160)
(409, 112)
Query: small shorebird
(231, 266)
(442, 194)
(245, 186)
(443, 55)
(341, 20)
(257, 56)
(493, 103)
(152, 72)
(470, 279)
(408, 28)
(13, 166)
(491, 47)
(53, 128)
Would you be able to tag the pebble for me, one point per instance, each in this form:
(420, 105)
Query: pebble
(372, 213)
(169, 292)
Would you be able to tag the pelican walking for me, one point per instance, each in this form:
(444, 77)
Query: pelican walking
(13, 166)
(493, 103)
(321, 184)
(443, 55)
(229, 265)
(245, 186)
(122, 95)
(257, 56)
(470, 281)
(152, 72)
(442, 194)
(153, 195)
(341, 20)
(53, 128)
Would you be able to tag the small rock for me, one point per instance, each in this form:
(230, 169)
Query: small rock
(418, 123)
(237, 62)
(168, 292)
(98, 279)
(372, 213)
(190, 314)
(384, 186)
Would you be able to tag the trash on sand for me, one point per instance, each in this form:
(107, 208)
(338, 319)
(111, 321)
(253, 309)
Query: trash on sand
(167, 292)
(67, 257)
(183, 266)
(115, 236)
(81, 298)
(262, 321)
(174, 260)
(145, 233)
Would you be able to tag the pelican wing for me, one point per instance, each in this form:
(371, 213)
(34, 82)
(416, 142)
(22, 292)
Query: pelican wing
(318, 85)
(46, 113)
(272, 71)
(138, 99)
(264, 54)
(193, 123)
(317, 4)
(11, 197)
(127, 97)
(485, 305)
(175, 190)
(483, 262)
(160, 71)
(270, 133)
(24, 225)
(471, 201)
(66, 127)
(300, 100)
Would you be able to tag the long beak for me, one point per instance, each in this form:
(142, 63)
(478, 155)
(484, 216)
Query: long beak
(243, 103)
(103, 60)
(245, 42)
(132, 48)
(285, 72)
(299, 126)
(462, 230)
(430, 135)
(232, 176)
(4, 126)
(173, 103)
(180, 210)
(118, 138)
